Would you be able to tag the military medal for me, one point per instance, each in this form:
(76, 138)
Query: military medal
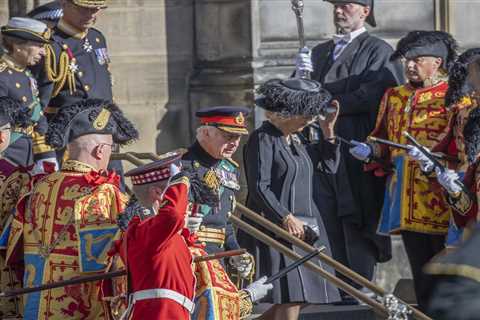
(102, 56)
(87, 46)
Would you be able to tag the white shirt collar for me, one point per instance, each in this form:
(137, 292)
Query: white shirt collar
(349, 37)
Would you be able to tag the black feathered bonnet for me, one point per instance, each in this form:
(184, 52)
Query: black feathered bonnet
(471, 135)
(458, 88)
(293, 97)
(13, 112)
(90, 117)
(427, 44)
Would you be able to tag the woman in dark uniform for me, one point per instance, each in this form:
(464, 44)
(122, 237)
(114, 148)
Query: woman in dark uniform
(24, 41)
(279, 176)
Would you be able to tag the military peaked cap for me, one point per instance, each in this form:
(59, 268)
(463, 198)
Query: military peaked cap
(97, 4)
(27, 29)
(226, 118)
(51, 11)
(90, 117)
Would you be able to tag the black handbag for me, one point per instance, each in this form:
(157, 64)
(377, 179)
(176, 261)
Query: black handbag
(311, 229)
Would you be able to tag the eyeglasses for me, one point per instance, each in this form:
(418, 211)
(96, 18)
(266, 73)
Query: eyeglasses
(107, 144)
(6, 128)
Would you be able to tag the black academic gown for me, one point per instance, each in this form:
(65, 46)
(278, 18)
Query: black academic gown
(358, 79)
(280, 181)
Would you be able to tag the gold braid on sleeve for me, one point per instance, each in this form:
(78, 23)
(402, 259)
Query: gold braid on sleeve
(246, 305)
(60, 74)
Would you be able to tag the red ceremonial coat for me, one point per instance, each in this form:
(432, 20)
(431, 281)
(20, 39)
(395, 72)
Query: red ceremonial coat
(159, 258)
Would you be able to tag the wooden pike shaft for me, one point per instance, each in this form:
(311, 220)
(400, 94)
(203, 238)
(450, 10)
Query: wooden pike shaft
(377, 307)
(280, 232)
(108, 275)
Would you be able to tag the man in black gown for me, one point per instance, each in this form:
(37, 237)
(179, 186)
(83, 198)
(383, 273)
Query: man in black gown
(354, 66)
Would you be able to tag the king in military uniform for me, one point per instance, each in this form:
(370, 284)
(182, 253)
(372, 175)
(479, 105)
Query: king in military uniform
(218, 138)
(24, 40)
(66, 225)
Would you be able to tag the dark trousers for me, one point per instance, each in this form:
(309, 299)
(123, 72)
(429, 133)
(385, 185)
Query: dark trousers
(421, 248)
(348, 243)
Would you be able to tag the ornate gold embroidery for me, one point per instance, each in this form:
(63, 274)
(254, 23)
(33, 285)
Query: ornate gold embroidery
(77, 166)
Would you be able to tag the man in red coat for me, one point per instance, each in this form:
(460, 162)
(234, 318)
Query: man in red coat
(155, 249)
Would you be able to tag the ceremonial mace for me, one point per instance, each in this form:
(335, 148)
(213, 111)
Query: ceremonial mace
(297, 7)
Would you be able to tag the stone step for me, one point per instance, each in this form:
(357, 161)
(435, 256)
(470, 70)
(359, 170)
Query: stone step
(329, 312)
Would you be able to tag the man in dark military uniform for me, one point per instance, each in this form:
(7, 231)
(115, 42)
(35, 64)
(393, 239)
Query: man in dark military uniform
(77, 64)
(218, 138)
(24, 40)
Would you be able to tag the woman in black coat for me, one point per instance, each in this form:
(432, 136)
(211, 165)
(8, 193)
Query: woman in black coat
(280, 183)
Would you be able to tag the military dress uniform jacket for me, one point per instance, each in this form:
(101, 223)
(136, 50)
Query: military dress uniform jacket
(84, 59)
(215, 232)
(158, 258)
(64, 229)
(19, 84)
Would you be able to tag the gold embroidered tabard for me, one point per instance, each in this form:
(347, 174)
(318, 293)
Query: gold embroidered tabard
(67, 225)
(413, 200)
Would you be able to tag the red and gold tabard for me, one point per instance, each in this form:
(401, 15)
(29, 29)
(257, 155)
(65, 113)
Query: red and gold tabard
(15, 181)
(413, 201)
(65, 227)
(216, 297)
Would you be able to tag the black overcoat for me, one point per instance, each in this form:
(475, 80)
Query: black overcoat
(358, 79)
(280, 181)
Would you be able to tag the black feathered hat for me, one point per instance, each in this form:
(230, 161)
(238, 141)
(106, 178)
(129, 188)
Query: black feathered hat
(13, 112)
(427, 43)
(51, 11)
(471, 135)
(293, 97)
(458, 87)
(90, 117)
(367, 3)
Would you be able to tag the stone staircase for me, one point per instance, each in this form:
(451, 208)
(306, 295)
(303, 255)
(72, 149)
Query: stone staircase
(329, 312)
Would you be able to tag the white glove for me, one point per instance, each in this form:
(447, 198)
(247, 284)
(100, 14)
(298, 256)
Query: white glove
(243, 263)
(174, 169)
(425, 164)
(447, 179)
(41, 166)
(194, 222)
(303, 61)
(259, 289)
(361, 151)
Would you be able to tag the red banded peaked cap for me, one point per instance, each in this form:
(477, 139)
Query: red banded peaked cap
(155, 171)
(226, 118)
